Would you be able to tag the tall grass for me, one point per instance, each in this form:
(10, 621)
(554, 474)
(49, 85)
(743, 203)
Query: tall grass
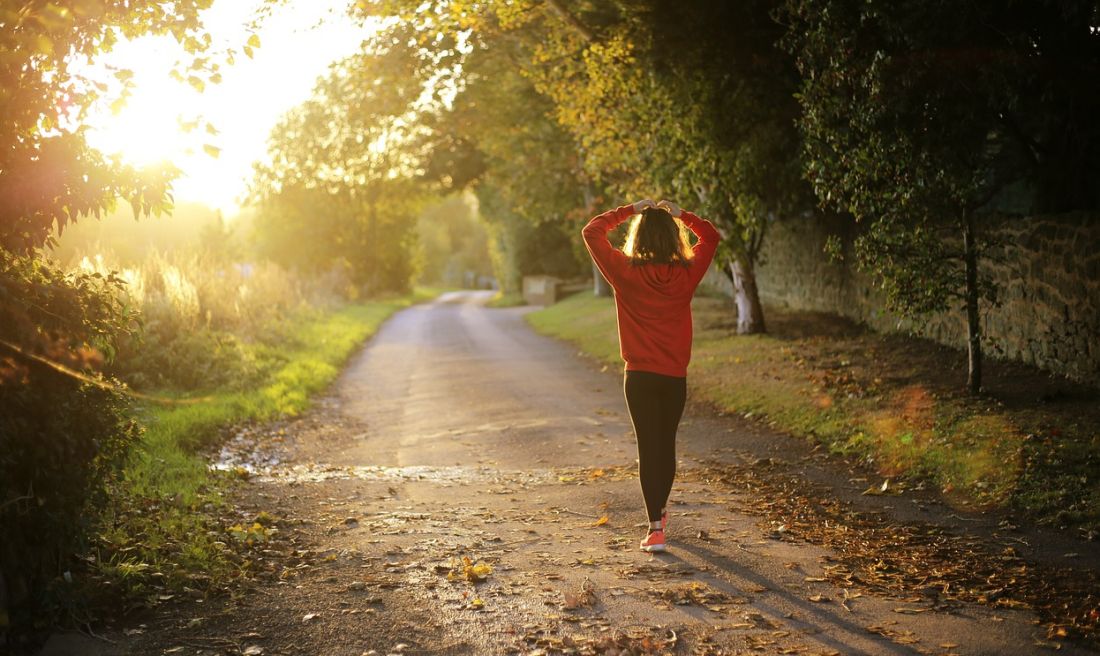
(206, 321)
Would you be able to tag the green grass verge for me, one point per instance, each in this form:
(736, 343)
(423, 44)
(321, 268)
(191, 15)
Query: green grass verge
(165, 530)
(888, 400)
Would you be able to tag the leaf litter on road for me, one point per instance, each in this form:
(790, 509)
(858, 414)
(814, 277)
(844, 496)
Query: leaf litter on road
(696, 593)
(915, 562)
(584, 598)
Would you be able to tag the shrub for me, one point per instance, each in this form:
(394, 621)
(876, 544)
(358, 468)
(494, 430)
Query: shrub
(64, 430)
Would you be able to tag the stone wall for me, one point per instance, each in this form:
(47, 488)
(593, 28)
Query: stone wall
(1048, 273)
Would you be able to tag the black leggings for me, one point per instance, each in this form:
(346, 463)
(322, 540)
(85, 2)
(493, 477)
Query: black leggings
(656, 403)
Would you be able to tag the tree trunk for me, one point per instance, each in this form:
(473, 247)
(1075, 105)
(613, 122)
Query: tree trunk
(973, 319)
(750, 314)
(600, 286)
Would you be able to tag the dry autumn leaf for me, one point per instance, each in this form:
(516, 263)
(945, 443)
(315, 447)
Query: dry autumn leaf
(475, 572)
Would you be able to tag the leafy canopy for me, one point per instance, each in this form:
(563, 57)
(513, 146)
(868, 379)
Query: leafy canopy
(49, 176)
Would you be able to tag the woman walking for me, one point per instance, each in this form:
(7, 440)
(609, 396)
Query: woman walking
(654, 278)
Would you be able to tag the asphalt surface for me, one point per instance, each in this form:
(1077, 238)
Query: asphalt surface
(459, 437)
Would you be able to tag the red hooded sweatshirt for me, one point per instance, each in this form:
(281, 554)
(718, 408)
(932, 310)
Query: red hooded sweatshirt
(652, 301)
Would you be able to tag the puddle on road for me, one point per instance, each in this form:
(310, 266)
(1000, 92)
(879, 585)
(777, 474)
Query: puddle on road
(320, 472)
(269, 456)
(243, 453)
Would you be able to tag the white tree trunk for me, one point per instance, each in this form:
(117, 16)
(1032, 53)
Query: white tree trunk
(600, 286)
(750, 314)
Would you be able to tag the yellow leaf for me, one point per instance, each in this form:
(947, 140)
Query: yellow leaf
(254, 41)
(212, 151)
(601, 521)
(476, 572)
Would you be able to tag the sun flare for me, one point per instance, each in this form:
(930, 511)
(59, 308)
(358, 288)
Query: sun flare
(298, 43)
(145, 133)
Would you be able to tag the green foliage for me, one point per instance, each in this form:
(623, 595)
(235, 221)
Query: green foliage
(49, 177)
(62, 446)
(62, 435)
(64, 315)
(645, 99)
(318, 232)
(696, 105)
(62, 439)
(533, 191)
(522, 248)
(340, 188)
(917, 116)
(453, 242)
(528, 178)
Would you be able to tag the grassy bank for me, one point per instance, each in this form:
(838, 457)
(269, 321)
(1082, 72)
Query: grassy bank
(1031, 442)
(166, 530)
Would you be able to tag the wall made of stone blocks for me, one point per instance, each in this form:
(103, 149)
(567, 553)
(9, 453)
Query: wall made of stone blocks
(1047, 270)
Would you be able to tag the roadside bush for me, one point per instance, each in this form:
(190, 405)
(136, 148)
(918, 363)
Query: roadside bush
(62, 443)
(64, 430)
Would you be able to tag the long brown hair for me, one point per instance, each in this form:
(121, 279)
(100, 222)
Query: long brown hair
(655, 237)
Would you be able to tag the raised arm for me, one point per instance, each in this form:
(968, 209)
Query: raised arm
(706, 233)
(609, 259)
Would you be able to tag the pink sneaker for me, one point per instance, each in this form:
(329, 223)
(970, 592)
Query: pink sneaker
(655, 541)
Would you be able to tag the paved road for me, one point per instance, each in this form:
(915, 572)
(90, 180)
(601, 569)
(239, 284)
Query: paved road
(458, 433)
(452, 383)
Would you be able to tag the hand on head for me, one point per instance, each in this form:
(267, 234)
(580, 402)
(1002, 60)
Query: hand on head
(671, 207)
(667, 205)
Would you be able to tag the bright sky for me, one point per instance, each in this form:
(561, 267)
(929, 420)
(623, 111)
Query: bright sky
(298, 42)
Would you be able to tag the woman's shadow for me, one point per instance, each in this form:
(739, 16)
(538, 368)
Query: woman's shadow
(812, 619)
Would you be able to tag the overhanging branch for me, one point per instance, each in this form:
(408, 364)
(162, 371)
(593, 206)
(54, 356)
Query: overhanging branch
(563, 13)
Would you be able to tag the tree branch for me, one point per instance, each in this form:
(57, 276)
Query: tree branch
(563, 13)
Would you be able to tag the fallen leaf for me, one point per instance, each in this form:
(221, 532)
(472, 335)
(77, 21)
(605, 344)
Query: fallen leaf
(475, 572)
(601, 521)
